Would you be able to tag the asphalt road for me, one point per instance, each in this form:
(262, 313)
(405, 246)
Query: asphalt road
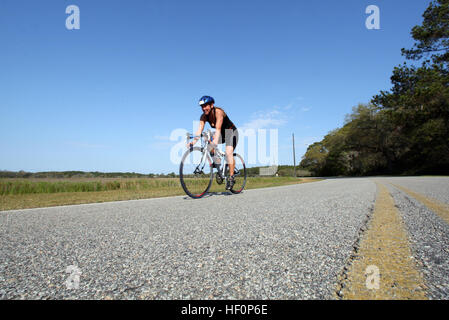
(291, 242)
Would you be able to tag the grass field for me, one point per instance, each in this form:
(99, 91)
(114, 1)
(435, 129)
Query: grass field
(34, 193)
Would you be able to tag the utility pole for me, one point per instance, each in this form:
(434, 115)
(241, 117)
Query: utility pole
(294, 159)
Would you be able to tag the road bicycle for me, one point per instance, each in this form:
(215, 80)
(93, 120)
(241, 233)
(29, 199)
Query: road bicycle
(196, 170)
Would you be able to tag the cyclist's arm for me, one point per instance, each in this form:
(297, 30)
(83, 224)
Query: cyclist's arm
(218, 124)
(200, 129)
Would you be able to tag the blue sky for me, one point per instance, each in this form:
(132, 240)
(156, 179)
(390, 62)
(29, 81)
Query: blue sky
(108, 96)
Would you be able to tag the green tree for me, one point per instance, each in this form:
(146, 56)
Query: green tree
(314, 159)
(432, 37)
(418, 103)
(406, 129)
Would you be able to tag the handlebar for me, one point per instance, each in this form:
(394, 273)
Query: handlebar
(203, 134)
(207, 135)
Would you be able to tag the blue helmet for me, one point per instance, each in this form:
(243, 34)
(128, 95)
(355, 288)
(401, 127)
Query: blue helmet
(206, 100)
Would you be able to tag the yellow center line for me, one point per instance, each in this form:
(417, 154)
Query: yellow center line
(383, 267)
(436, 206)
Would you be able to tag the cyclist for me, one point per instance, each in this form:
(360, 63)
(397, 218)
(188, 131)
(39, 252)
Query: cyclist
(226, 132)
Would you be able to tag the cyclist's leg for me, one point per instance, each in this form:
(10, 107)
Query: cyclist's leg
(232, 137)
(230, 159)
(231, 143)
(216, 159)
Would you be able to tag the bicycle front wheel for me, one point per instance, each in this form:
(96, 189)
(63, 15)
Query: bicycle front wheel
(196, 173)
(239, 174)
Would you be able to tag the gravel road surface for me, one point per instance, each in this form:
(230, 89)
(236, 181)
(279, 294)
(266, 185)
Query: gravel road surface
(290, 242)
(429, 234)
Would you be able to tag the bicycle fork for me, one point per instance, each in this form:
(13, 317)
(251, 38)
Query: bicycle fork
(202, 164)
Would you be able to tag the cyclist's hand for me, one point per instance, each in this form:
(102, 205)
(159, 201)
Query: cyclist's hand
(189, 145)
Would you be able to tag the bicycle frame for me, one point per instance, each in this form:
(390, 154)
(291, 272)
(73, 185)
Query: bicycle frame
(205, 147)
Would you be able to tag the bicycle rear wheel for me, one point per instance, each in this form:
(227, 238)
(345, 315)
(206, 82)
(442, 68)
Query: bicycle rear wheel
(239, 174)
(195, 175)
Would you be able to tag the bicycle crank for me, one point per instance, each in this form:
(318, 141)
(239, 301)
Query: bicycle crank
(219, 178)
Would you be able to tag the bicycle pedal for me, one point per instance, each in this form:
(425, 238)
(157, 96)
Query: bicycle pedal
(218, 178)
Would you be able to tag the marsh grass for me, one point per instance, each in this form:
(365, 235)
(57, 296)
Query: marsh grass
(34, 193)
(27, 186)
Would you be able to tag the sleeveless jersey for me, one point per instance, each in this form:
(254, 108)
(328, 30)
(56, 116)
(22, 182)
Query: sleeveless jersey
(227, 123)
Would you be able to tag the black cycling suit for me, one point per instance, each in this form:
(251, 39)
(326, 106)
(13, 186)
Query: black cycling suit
(229, 132)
